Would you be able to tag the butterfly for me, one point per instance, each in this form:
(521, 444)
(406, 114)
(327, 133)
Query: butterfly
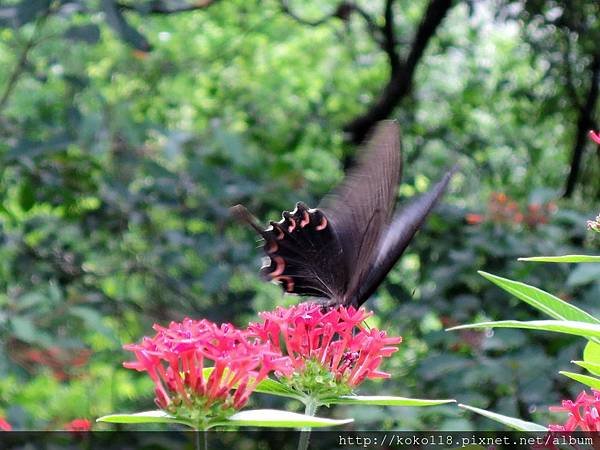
(342, 250)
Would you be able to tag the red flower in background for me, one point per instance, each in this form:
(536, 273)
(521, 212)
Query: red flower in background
(176, 357)
(594, 136)
(63, 362)
(334, 338)
(583, 413)
(474, 219)
(4, 425)
(501, 209)
(78, 425)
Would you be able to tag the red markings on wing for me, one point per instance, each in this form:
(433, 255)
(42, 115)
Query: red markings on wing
(305, 220)
(289, 282)
(271, 247)
(279, 266)
(292, 226)
(322, 225)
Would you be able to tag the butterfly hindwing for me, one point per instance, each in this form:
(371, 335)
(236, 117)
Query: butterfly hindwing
(304, 254)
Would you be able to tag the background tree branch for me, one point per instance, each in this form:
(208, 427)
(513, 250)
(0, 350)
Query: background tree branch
(585, 122)
(21, 65)
(401, 76)
(166, 6)
(342, 11)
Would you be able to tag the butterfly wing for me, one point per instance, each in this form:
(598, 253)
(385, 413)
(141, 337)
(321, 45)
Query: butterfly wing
(360, 208)
(303, 253)
(398, 235)
(344, 249)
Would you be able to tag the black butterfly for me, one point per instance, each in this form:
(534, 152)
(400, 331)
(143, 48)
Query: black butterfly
(342, 250)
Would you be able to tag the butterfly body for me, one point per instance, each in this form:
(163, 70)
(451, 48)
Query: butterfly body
(343, 249)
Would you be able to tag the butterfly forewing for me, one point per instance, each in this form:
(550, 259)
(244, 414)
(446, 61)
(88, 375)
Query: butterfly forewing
(360, 208)
(398, 235)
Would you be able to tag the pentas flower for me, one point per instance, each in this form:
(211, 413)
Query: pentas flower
(4, 425)
(203, 371)
(330, 349)
(584, 413)
(78, 425)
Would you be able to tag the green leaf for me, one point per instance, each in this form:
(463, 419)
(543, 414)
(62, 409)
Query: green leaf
(564, 259)
(584, 329)
(277, 418)
(27, 196)
(26, 330)
(270, 386)
(541, 300)
(251, 418)
(591, 354)
(385, 400)
(512, 422)
(267, 386)
(592, 382)
(593, 368)
(156, 416)
(93, 320)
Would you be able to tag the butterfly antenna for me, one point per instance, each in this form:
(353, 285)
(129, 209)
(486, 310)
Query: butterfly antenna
(242, 214)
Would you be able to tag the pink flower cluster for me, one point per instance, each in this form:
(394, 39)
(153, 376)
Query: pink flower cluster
(175, 359)
(76, 425)
(333, 337)
(5, 425)
(79, 425)
(201, 370)
(584, 413)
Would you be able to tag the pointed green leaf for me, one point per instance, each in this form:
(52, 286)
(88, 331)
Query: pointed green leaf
(277, 418)
(564, 259)
(385, 400)
(157, 416)
(592, 382)
(512, 422)
(270, 386)
(541, 300)
(267, 386)
(587, 330)
(593, 368)
(591, 354)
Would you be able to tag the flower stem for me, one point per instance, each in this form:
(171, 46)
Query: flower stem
(310, 409)
(201, 439)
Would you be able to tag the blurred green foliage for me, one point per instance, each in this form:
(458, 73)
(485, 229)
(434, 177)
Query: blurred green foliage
(126, 136)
